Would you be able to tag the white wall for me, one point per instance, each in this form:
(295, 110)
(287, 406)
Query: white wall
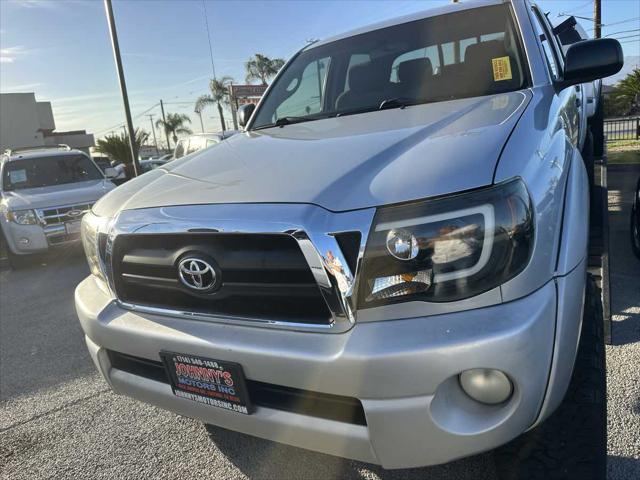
(45, 116)
(19, 121)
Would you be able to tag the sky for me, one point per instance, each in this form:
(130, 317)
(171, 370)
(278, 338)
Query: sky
(61, 49)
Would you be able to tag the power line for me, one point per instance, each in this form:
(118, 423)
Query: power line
(628, 36)
(118, 125)
(616, 23)
(623, 31)
(623, 21)
(577, 9)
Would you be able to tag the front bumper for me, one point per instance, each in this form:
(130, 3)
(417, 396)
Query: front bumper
(26, 239)
(404, 372)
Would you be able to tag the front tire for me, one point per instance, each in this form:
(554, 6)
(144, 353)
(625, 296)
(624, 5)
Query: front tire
(572, 442)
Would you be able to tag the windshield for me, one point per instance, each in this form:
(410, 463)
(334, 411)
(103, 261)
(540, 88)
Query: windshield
(48, 171)
(463, 54)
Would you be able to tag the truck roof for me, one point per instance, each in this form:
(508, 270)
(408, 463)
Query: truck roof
(431, 12)
(37, 152)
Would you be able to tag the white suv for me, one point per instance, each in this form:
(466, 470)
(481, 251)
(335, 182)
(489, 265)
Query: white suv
(44, 192)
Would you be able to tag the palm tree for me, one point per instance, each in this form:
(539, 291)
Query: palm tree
(219, 96)
(629, 87)
(175, 125)
(262, 68)
(116, 147)
(624, 97)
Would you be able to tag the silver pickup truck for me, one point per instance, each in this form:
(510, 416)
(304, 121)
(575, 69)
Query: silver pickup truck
(388, 264)
(43, 194)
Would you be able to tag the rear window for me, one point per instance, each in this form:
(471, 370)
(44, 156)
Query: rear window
(470, 53)
(48, 171)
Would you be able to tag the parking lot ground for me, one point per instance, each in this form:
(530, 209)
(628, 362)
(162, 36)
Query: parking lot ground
(58, 419)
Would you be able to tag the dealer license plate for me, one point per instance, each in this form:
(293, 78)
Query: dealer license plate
(211, 382)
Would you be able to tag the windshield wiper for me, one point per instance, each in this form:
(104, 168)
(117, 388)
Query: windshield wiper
(399, 102)
(282, 121)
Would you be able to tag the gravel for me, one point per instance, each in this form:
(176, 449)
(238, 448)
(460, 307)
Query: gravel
(58, 419)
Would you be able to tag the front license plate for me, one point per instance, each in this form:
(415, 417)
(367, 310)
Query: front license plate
(211, 382)
(72, 227)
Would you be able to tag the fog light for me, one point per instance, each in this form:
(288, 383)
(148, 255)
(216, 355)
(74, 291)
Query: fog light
(23, 241)
(486, 385)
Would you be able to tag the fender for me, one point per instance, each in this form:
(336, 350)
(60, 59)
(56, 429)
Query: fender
(570, 280)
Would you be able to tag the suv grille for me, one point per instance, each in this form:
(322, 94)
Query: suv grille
(262, 276)
(59, 215)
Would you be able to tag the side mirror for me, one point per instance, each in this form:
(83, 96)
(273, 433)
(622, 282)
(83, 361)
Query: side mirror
(591, 59)
(244, 113)
(110, 172)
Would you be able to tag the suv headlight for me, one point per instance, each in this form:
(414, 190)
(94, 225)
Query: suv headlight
(94, 240)
(447, 249)
(23, 217)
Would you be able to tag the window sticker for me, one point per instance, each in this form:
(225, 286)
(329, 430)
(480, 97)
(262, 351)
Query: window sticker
(18, 176)
(501, 69)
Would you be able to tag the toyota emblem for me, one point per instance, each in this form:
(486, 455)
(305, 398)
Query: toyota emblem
(196, 274)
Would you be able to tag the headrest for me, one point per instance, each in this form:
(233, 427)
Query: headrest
(366, 77)
(482, 53)
(415, 71)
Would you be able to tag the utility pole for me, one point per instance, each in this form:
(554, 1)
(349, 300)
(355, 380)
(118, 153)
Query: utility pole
(597, 14)
(166, 134)
(123, 86)
(155, 141)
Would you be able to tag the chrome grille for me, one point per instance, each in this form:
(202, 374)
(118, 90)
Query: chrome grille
(262, 276)
(288, 266)
(60, 215)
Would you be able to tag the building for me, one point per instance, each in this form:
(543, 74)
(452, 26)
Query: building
(25, 122)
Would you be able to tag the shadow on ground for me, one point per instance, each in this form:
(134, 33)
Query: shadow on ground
(275, 461)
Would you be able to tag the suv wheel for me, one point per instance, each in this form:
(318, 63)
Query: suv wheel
(572, 442)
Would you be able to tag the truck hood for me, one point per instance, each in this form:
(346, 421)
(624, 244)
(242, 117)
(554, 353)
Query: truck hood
(56, 195)
(342, 163)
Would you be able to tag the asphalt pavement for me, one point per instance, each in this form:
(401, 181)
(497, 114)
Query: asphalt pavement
(58, 419)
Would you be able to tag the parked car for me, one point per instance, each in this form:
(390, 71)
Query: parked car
(199, 141)
(43, 195)
(388, 264)
(151, 164)
(634, 228)
(102, 161)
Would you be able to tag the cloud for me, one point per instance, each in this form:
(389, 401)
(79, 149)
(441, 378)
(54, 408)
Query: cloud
(28, 87)
(35, 3)
(9, 54)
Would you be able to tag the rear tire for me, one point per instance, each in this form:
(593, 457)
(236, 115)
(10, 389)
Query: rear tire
(572, 442)
(596, 124)
(588, 157)
(634, 229)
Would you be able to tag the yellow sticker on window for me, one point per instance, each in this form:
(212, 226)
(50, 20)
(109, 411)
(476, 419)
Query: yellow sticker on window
(501, 69)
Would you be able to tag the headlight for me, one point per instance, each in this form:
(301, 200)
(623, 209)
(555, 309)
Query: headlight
(23, 217)
(94, 239)
(447, 249)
